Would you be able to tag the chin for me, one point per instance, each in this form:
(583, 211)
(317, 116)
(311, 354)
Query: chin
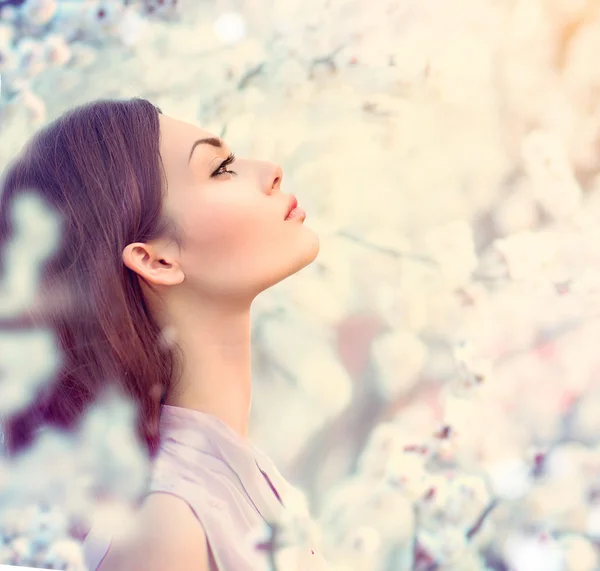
(311, 250)
(295, 258)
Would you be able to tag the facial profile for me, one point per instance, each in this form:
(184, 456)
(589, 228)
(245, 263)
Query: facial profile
(231, 213)
(162, 227)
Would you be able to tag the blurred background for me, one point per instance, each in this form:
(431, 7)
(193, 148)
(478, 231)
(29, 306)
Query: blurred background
(431, 382)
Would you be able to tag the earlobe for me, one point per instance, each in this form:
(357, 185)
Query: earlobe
(178, 277)
(165, 272)
(166, 275)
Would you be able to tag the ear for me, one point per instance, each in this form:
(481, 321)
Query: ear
(156, 266)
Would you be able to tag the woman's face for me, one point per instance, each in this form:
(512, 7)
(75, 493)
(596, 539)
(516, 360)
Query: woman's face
(236, 239)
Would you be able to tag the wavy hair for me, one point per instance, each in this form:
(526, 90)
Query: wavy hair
(98, 166)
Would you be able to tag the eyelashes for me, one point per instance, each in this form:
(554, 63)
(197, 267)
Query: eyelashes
(222, 169)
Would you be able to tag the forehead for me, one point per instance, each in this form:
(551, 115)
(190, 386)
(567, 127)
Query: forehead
(176, 140)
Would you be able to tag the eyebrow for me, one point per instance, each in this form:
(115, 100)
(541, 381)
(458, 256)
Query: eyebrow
(209, 141)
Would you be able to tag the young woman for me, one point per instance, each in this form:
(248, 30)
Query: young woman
(164, 230)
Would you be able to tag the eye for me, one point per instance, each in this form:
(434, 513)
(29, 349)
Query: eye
(222, 167)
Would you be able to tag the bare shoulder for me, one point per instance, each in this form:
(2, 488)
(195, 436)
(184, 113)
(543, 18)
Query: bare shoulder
(167, 536)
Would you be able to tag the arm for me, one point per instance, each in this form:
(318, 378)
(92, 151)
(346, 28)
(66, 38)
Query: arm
(168, 537)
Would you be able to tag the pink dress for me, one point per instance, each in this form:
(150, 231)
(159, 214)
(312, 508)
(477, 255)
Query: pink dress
(230, 485)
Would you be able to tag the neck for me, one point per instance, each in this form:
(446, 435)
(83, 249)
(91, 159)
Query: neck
(215, 376)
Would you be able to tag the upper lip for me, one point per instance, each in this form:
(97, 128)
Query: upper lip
(292, 204)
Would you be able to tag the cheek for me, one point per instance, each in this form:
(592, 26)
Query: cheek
(227, 231)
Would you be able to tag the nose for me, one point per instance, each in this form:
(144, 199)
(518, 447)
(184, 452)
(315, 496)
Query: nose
(274, 175)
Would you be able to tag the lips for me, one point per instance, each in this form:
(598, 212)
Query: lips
(293, 203)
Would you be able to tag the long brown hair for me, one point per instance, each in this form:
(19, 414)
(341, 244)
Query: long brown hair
(99, 168)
